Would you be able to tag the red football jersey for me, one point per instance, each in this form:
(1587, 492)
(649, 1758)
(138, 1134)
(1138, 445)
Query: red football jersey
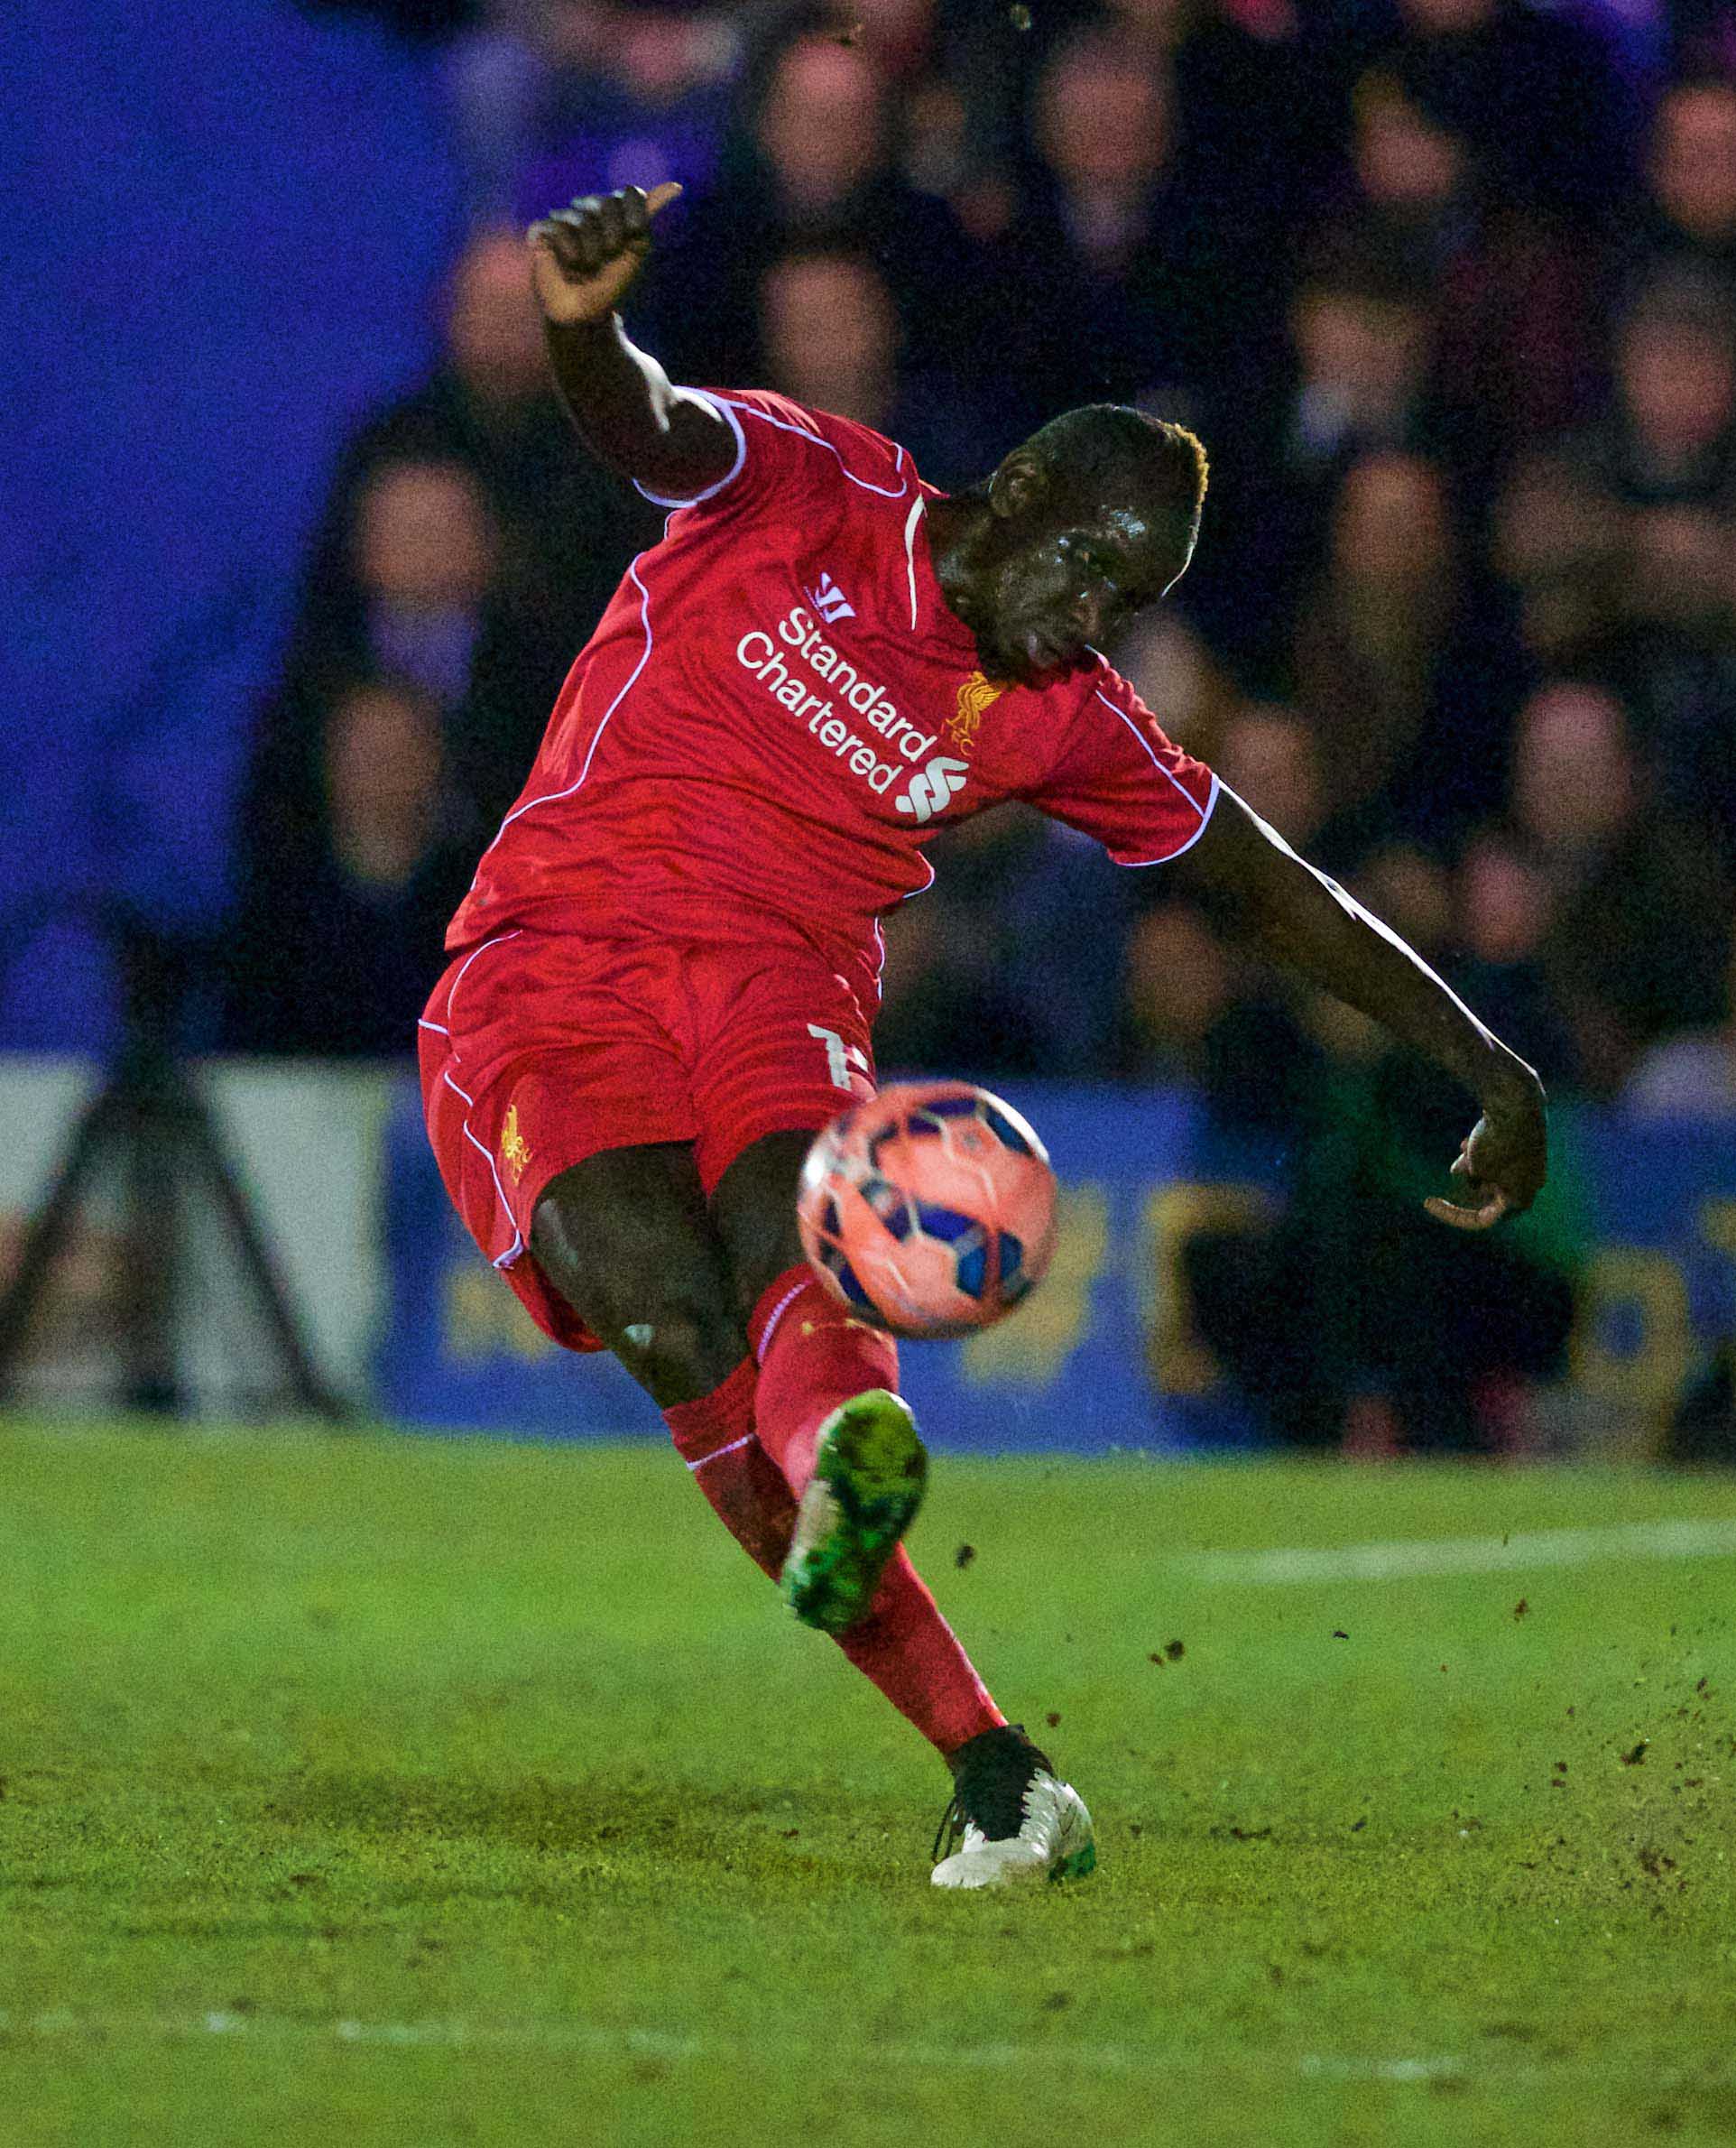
(777, 710)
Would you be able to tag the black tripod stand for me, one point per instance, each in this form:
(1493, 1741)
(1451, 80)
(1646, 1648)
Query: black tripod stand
(150, 1120)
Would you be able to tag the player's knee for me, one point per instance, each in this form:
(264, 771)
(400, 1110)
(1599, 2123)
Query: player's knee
(683, 1347)
(647, 1287)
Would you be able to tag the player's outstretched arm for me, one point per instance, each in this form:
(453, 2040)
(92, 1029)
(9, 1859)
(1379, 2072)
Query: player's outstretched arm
(1294, 913)
(583, 259)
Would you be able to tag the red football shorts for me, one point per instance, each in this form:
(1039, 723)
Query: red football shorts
(538, 1049)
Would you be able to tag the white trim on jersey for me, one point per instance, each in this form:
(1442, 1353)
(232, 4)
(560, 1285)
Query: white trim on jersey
(550, 796)
(802, 433)
(1204, 811)
(469, 959)
(916, 514)
(723, 411)
(1134, 863)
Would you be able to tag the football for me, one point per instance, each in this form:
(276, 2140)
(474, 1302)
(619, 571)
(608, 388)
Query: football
(930, 1210)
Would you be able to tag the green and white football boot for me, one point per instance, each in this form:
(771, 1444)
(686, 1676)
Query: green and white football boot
(870, 1470)
(1011, 1819)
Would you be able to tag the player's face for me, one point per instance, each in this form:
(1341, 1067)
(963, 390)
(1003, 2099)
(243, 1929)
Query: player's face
(1064, 581)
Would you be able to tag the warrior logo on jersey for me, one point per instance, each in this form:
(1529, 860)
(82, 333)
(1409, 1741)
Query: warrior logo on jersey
(515, 1150)
(830, 602)
(974, 697)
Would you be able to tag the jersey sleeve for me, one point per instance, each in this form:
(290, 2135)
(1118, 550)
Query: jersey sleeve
(1119, 779)
(785, 452)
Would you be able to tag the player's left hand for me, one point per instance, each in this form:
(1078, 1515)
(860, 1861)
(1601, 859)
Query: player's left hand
(583, 259)
(1503, 1161)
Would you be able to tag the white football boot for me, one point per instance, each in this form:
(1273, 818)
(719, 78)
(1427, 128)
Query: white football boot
(1011, 1819)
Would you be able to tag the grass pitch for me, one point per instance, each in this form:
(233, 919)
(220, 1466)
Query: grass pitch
(391, 1789)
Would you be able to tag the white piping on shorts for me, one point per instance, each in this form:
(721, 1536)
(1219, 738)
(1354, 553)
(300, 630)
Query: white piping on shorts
(517, 1246)
(512, 1252)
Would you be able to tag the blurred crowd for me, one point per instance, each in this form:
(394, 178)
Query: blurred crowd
(1447, 287)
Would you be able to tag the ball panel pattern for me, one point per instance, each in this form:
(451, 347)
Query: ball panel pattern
(929, 1210)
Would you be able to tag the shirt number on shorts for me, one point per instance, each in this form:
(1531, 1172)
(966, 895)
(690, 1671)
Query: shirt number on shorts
(840, 1057)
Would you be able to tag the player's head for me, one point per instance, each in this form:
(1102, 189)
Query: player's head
(1092, 519)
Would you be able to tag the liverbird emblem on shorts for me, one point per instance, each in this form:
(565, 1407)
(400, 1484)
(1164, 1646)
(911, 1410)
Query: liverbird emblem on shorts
(973, 698)
(515, 1152)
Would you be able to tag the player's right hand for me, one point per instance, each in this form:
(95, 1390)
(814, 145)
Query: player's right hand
(583, 258)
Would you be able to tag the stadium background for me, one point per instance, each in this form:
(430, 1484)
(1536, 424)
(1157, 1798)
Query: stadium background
(299, 548)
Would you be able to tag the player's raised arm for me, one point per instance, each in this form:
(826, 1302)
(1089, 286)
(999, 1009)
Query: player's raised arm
(1294, 913)
(583, 258)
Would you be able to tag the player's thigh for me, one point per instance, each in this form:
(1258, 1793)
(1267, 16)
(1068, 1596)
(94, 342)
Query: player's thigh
(753, 1206)
(626, 1239)
(785, 1047)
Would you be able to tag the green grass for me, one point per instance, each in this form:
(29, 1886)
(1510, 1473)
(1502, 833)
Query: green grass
(386, 1789)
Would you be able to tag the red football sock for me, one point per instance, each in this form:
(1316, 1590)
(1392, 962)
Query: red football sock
(715, 1438)
(812, 1356)
(914, 1657)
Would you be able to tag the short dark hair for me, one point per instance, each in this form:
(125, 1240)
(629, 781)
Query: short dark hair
(1109, 452)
